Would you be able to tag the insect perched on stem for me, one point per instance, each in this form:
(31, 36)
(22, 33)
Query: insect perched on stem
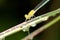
(30, 14)
(33, 11)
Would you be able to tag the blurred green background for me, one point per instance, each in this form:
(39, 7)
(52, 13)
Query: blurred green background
(12, 13)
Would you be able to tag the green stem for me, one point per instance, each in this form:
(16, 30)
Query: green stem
(52, 22)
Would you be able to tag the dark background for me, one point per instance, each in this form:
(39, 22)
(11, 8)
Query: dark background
(12, 13)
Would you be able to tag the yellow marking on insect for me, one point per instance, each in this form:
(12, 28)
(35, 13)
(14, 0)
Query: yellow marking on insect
(30, 14)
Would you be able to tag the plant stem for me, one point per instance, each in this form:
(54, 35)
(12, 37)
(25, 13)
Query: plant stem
(33, 34)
